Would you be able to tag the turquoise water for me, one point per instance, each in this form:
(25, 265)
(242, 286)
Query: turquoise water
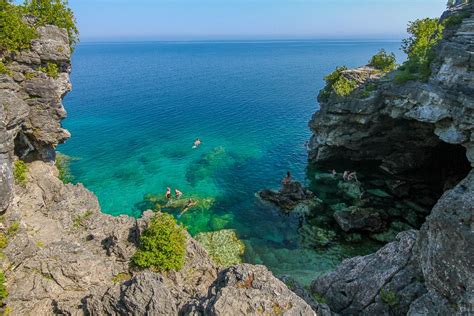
(136, 108)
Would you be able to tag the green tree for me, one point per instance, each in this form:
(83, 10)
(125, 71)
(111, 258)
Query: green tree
(383, 61)
(425, 34)
(55, 12)
(162, 244)
(14, 33)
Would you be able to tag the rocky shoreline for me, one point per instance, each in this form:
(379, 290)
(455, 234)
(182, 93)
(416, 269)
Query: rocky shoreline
(61, 255)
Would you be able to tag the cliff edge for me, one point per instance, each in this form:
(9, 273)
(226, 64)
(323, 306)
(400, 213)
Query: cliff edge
(422, 133)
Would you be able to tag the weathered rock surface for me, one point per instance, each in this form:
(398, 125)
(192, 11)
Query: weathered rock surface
(355, 219)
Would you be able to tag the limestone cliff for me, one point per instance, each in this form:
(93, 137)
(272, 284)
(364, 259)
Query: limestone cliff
(63, 256)
(422, 133)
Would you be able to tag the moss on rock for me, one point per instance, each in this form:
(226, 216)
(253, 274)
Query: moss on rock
(223, 246)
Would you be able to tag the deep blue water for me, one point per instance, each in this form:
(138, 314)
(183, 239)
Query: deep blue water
(136, 108)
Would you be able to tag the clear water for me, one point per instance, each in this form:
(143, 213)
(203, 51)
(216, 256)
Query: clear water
(136, 109)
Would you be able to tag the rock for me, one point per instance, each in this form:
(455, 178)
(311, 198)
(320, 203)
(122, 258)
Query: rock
(446, 243)
(392, 232)
(246, 289)
(289, 196)
(313, 236)
(356, 285)
(355, 219)
(350, 190)
(223, 246)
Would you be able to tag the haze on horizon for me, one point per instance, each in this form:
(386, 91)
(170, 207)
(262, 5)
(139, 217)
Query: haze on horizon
(123, 20)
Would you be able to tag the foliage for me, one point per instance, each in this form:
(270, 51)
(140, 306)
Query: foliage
(13, 229)
(456, 19)
(162, 244)
(336, 82)
(79, 219)
(3, 241)
(19, 173)
(51, 70)
(383, 61)
(319, 298)
(63, 165)
(4, 70)
(425, 34)
(15, 34)
(29, 75)
(388, 297)
(121, 277)
(3, 288)
(55, 12)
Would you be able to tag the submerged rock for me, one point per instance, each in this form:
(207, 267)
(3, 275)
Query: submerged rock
(223, 246)
(289, 196)
(350, 190)
(356, 218)
(313, 236)
(392, 232)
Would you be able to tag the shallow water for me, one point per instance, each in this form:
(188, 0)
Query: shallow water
(136, 109)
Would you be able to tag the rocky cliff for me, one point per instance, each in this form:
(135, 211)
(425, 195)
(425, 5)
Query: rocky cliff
(60, 254)
(422, 133)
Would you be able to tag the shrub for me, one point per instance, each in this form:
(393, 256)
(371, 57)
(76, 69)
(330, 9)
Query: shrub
(3, 241)
(4, 70)
(383, 61)
(13, 229)
(388, 297)
(426, 33)
(63, 165)
(3, 288)
(14, 33)
(51, 70)
(79, 219)
(336, 82)
(55, 12)
(456, 19)
(162, 244)
(19, 173)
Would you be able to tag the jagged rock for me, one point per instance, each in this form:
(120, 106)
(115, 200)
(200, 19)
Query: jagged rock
(355, 286)
(289, 196)
(247, 289)
(446, 245)
(356, 218)
(350, 190)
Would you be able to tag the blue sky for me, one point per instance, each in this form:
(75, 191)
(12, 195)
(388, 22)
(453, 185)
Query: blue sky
(248, 19)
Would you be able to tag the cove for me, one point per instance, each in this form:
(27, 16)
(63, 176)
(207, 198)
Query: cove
(136, 109)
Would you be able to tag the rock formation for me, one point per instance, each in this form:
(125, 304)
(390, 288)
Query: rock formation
(62, 255)
(423, 134)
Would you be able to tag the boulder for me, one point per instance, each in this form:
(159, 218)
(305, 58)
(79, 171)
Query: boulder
(355, 219)
(289, 196)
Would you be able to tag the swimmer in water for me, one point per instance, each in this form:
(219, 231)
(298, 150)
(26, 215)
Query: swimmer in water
(177, 193)
(168, 193)
(189, 204)
(197, 143)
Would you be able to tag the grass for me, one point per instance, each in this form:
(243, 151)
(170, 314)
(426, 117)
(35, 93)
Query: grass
(13, 229)
(4, 69)
(319, 298)
(20, 171)
(3, 241)
(456, 19)
(63, 165)
(121, 277)
(79, 219)
(51, 70)
(3, 288)
(389, 297)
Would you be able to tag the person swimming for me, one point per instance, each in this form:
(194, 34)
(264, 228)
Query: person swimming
(197, 143)
(188, 205)
(168, 193)
(177, 193)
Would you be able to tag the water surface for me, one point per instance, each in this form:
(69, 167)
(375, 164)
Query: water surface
(136, 109)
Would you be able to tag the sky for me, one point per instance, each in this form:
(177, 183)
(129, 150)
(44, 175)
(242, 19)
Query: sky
(119, 20)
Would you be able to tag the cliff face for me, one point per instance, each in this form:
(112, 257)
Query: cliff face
(63, 256)
(411, 130)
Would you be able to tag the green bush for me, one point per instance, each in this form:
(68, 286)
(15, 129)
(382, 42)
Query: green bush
(16, 35)
(383, 61)
(3, 288)
(456, 19)
(336, 82)
(54, 12)
(162, 244)
(20, 173)
(425, 34)
(13, 229)
(4, 70)
(388, 297)
(51, 70)
(3, 241)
